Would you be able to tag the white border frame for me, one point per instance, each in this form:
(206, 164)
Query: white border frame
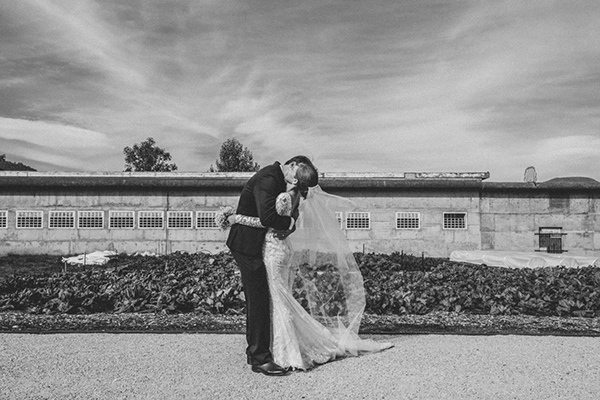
(358, 215)
(190, 214)
(73, 215)
(151, 214)
(5, 212)
(130, 214)
(41, 213)
(99, 212)
(418, 218)
(339, 216)
(455, 229)
(198, 213)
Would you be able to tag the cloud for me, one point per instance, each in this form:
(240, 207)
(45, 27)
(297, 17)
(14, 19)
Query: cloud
(52, 135)
(364, 86)
(75, 30)
(525, 64)
(575, 155)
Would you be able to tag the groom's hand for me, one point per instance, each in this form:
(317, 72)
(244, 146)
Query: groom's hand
(295, 215)
(283, 234)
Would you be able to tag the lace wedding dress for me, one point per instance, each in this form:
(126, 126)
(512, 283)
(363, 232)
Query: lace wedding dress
(317, 298)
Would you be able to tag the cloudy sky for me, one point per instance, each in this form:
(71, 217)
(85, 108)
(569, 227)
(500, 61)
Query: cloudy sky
(359, 86)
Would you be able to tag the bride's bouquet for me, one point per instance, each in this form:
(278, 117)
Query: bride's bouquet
(222, 217)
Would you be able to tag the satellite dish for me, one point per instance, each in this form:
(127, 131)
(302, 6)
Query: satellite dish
(530, 175)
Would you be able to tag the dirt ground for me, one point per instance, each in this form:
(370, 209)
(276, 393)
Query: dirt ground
(212, 366)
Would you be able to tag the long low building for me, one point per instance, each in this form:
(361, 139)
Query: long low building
(418, 213)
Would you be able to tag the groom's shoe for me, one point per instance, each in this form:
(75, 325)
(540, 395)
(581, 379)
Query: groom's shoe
(270, 369)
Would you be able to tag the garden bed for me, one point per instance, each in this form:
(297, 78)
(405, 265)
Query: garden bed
(202, 293)
(432, 323)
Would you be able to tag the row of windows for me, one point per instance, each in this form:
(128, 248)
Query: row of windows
(404, 220)
(116, 219)
(189, 220)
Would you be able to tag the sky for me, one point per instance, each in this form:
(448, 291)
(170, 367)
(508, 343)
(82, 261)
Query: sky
(358, 86)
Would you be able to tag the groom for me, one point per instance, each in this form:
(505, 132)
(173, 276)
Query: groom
(258, 200)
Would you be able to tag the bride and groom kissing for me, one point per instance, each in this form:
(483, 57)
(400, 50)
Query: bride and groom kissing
(304, 292)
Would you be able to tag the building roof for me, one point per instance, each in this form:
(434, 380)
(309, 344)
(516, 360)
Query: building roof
(334, 181)
(236, 179)
(573, 181)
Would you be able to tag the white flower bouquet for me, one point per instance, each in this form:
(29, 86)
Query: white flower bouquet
(222, 217)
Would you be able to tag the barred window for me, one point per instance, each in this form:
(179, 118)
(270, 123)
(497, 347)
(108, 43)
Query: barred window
(61, 219)
(358, 220)
(340, 218)
(550, 240)
(151, 219)
(3, 219)
(408, 220)
(90, 219)
(121, 219)
(455, 221)
(30, 219)
(206, 219)
(180, 219)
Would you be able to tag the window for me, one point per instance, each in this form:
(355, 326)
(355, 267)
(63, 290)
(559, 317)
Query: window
(455, 221)
(180, 219)
(340, 218)
(30, 219)
(358, 220)
(550, 240)
(206, 219)
(3, 219)
(90, 219)
(561, 203)
(61, 219)
(408, 220)
(151, 219)
(121, 219)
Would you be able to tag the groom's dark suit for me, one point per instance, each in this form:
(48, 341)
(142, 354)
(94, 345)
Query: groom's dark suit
(257, 200)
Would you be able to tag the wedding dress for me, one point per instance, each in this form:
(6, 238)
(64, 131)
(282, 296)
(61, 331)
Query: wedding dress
(317, 293)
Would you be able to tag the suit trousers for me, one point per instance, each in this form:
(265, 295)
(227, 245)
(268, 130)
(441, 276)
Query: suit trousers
(258, 307)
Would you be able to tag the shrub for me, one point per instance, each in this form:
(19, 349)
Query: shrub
(394, 284)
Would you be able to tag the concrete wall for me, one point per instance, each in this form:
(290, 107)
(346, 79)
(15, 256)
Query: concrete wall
(500, 216)
(431, 239)
(76, 240)
(510, 220)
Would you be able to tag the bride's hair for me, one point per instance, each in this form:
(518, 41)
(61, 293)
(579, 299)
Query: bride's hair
(307, 174)
(300, 160)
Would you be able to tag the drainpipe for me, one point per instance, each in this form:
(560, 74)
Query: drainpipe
(167, 241)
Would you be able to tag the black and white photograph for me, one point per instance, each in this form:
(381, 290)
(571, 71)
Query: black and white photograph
(310, 199)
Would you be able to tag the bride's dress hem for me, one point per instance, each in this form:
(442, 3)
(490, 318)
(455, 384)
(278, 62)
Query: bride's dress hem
(299, 341)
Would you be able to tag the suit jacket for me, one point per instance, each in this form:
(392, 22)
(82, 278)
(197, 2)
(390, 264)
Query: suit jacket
(258, 200)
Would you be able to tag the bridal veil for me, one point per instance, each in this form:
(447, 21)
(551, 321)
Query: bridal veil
(327, 280)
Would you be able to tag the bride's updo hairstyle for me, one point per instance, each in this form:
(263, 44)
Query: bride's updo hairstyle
(306, 174)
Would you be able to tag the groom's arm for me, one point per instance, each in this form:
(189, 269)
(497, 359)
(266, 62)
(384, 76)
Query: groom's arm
(282, 234)
(265, 195)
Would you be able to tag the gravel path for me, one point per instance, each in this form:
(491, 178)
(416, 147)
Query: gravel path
(211, 366)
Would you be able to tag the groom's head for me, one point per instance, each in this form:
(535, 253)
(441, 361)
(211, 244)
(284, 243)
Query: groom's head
(302, 170)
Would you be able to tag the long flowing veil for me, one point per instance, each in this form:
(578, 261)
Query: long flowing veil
(327, 282)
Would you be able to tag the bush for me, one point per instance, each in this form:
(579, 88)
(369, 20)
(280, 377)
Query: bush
(394, 284)
(175, 283)
(479, 289)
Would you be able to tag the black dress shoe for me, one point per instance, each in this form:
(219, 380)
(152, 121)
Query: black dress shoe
(270, 369)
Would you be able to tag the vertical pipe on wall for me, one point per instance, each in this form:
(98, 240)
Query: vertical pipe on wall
(167, 241)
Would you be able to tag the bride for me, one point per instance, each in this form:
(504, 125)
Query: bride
(316, 288)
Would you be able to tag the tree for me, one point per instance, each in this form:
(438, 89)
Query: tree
(147, 157)
(12, 166)
(234, 157)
